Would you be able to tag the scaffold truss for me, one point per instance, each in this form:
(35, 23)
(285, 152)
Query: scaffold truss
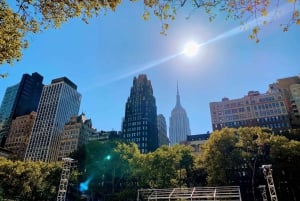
(64, 180)
(224, 193)
(263, 192)
(267, 170)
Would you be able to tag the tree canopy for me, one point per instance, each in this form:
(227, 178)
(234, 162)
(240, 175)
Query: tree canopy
(115, 170)
(234, 157)
(20, 18)
(29, 180)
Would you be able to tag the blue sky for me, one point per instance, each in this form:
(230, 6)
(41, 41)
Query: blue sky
(115, 44)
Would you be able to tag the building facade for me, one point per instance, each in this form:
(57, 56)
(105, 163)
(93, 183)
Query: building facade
(6, 111)
(179, 123)
(255, 109)
(162, 131)
(140, 121)
(19, 134)
(289, 88)
(59, 102)
(196, 141)
(75, 134)
(20, 99)
(106, 136)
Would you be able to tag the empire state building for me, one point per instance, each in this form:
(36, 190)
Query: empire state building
(179, 123)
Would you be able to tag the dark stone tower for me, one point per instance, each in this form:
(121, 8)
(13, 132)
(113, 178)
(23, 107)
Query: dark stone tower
(140, 122)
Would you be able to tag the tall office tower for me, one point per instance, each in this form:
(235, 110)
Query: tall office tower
(19, 133)
(162, 131)
(75, 134)
(288, 88)
(255, 109)
(20, 99)
(59, 102)
(140, 122)
(179, 123)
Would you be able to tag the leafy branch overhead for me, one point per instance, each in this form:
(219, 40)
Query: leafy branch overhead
(33, 16)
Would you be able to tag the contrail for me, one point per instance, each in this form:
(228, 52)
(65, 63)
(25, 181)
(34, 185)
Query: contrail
(146, 67)
(273, 15)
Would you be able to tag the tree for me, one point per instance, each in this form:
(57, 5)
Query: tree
(29, 180)
(253, 146)
(104, 168)
(285, 155)
(220, 157)
(166, 167)
(234, 157)
(26, 17)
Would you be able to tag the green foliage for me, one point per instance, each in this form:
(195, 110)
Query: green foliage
(166, 167)
(285, 155)
(29, 180)
(106, 165)
(220, 157)
(229, 157)
(234, 157)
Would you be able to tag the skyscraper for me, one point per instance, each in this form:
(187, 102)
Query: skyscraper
(20, 99)
(140, 122)
(179, 123)
(59, 102)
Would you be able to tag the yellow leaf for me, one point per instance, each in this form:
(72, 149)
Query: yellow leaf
(146, 15)
(166, 26)
(255, 30)
(264, 12)
(291, 1)
(298, 21)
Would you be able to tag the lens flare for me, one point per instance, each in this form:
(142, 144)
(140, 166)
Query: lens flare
(84, 186)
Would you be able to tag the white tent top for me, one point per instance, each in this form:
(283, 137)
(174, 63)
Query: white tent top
(221, 193)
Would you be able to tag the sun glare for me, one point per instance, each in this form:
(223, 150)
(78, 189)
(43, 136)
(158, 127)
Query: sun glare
(191, 49)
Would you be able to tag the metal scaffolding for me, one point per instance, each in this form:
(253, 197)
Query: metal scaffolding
(64, 179)
(224, 193)
(263, 192)
(267, 170)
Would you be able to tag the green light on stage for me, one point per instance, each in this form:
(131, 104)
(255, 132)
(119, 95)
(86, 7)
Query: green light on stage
(108, 157)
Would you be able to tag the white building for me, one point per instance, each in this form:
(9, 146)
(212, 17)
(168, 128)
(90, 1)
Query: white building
(59, 102)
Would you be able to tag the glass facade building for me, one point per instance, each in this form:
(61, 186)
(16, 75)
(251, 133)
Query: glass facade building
(20, 99)
(59, 102)
(6, 111)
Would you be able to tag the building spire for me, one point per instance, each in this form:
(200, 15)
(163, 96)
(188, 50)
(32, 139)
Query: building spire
(177, 97)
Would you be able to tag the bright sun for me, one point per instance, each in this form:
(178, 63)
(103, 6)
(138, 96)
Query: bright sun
(191, 49)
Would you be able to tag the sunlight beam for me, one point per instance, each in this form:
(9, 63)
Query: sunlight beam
(273, 15)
